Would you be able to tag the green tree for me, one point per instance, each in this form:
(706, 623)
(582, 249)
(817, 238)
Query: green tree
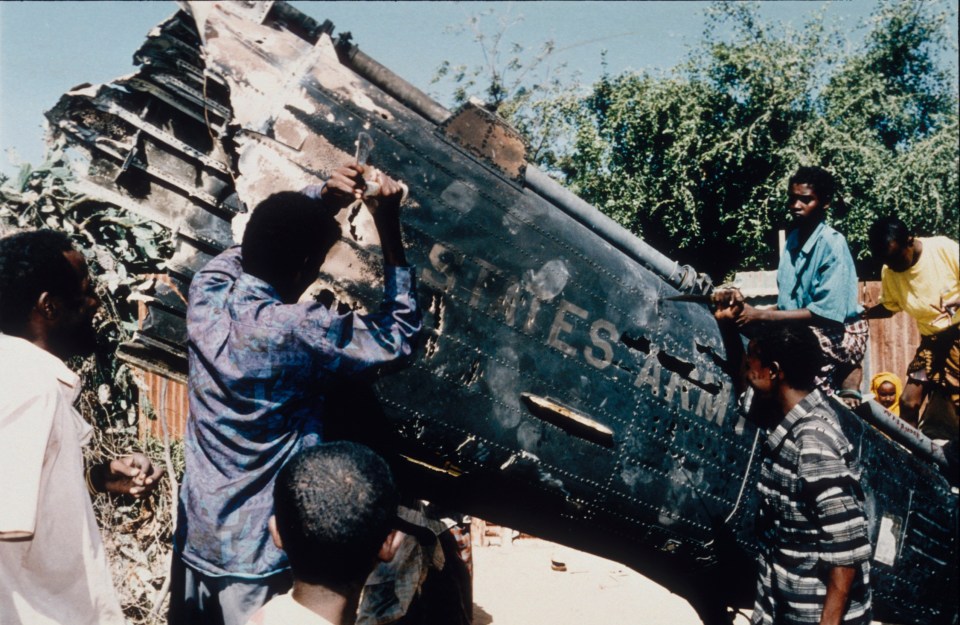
(890, 125)
(522, 85)
(696, 162)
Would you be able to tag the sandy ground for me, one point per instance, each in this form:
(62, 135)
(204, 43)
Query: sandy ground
(514, 585)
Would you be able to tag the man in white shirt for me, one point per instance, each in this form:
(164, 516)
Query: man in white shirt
(52, 563)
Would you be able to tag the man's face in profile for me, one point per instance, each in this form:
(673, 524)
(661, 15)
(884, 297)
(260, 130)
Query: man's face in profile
(73, 333)
(899, 257)
(759, 377)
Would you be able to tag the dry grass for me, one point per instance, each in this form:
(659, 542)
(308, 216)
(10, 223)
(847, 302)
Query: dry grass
(137, 534)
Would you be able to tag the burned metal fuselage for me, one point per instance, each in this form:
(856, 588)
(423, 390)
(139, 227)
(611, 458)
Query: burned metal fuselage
(556, 389)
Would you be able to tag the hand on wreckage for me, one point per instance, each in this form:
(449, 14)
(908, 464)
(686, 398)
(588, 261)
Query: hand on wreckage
(387, 202)
(382, 196)
(385, 209)
(728, 303)
(345, 186)
(348, 184)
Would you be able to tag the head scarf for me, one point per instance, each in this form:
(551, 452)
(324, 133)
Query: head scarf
(886, 376)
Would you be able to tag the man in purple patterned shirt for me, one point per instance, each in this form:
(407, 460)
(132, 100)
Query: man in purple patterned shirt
(259, 365)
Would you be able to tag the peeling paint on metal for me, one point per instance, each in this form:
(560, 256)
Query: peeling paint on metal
(549, 281)
(528, 435)
(511, 224)
(460, 196)
(524, 297)
(466, 442)
(500, 381)
(569, 419)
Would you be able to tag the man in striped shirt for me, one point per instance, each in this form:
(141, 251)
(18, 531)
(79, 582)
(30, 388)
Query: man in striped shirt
(814, 547)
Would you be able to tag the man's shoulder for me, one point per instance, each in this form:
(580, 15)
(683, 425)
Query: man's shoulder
(942, 243)
(814, 415)
(27, 370)
(819, 419)
(285, 610)
(823, 240)
(30, 389)
(224, 267)
(835, 241)
(819, 433)
(894, 283)
(211, 288)
(226, 260)
(223, 281)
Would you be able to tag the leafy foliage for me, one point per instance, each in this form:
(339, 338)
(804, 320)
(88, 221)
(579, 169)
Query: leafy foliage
(522, 85)
(696, 162)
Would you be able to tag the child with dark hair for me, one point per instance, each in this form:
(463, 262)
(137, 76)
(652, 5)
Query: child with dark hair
(817, 284)
(335, 506)
(921, 276)
(812, 526)
(886, 388)
(799, 356)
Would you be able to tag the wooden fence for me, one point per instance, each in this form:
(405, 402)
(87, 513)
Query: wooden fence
(167, 400)
(893, 341)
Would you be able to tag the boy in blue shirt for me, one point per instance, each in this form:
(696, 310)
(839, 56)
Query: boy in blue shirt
(817, 284)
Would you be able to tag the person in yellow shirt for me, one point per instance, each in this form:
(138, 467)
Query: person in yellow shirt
(886, 388)
(921, 276)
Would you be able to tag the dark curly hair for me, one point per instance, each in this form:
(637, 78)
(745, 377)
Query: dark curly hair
(795, 348)
(32, 262)
(885, 231)
(820, 179)
(334, 504)
(284, 230)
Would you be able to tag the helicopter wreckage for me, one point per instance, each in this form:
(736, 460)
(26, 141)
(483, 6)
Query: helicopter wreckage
(558, 390)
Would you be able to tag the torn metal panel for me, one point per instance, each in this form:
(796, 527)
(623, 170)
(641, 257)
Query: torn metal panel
(561, 387)
(486, 135)
(570, 420)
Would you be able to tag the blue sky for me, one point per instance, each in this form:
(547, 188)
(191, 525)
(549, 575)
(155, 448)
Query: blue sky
(48, 47)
